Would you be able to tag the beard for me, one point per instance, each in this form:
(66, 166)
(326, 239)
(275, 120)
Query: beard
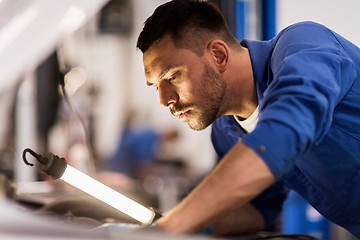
(210, 91)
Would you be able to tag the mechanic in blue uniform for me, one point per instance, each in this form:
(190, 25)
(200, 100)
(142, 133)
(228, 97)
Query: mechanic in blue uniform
(285, 114)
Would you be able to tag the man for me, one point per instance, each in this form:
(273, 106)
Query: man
(285, 114)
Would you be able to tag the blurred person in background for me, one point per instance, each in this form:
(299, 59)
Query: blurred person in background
(139, 147)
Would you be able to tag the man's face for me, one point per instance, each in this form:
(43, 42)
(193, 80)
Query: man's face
(186, 83)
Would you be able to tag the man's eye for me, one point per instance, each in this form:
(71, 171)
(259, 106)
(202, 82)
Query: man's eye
(152, 85)
(171, 78)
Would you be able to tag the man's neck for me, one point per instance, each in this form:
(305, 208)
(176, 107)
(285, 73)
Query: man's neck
(241, 94)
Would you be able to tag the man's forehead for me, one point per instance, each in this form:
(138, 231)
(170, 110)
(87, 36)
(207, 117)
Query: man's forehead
(151, 64)
(157, 69)
(163, 56)
(156, 53)
(155, 63)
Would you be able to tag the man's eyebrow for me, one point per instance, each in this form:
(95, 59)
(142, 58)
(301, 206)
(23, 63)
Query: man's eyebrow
(162, 74)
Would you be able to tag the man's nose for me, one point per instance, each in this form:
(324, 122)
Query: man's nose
(167, 95)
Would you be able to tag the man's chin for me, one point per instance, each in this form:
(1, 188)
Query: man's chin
(201, 122)
(198, 126)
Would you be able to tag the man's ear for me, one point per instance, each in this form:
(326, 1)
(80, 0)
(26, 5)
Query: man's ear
(219, 50)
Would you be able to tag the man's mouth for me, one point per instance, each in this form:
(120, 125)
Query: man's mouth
(182, 115)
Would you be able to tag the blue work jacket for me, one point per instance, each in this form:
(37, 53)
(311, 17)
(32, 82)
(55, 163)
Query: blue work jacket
(308, 86)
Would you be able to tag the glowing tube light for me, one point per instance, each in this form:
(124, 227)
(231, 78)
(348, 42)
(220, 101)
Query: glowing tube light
(109, 196)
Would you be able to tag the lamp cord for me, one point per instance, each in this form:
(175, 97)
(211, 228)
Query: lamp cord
(91, 160)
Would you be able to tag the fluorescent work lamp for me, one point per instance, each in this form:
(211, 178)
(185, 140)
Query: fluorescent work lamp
(57, 167)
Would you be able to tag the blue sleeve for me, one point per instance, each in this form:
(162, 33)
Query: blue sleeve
(310, 72)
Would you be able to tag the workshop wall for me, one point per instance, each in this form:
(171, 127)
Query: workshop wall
(341, 16)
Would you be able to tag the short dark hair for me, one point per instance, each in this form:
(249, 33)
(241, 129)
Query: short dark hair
(189, 23)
